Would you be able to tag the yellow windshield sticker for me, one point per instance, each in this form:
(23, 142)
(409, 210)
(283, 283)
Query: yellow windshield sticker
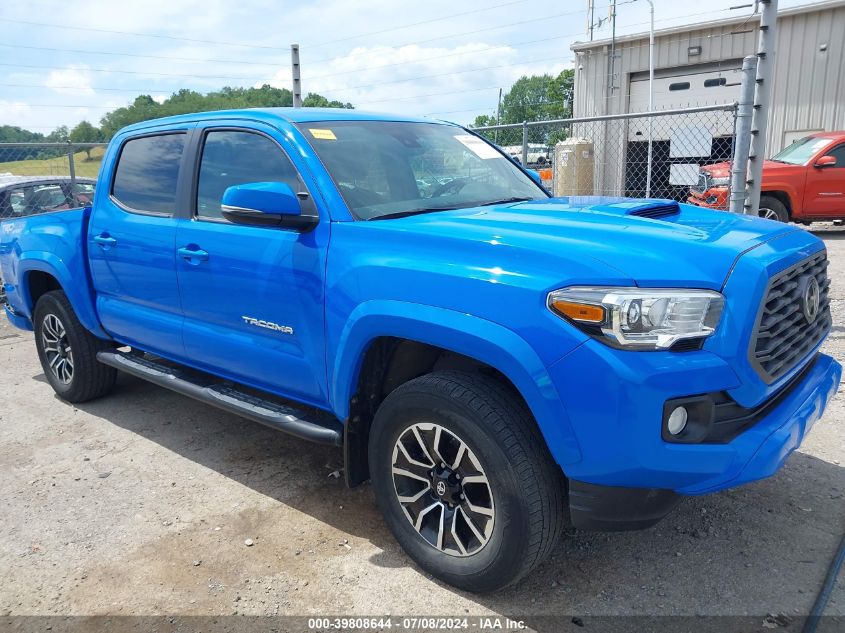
(325, 135)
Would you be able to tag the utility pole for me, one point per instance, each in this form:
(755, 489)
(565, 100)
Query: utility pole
(294, 67)
(498, 116)
(742, 143)
(762, 99)
(650, 98)
(591, 17)
(611, 59)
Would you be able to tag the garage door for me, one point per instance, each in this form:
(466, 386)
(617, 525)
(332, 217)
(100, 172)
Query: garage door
(713, 87)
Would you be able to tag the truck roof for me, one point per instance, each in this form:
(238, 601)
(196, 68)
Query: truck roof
(292, 115)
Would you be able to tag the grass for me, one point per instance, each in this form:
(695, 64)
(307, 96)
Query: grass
(57, 166)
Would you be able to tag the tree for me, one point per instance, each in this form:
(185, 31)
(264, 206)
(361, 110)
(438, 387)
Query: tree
(84, 132)
(534, 98)
(313, 100)
(184, 101)
(59, 135)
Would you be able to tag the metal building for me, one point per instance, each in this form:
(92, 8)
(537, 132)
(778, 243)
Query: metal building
(699, 64)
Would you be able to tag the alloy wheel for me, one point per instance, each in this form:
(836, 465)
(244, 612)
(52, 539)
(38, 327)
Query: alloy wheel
(768, 214)
(57, 348)
(443, 490)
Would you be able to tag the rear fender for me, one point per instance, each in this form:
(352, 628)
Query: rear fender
(461, 333)
(76, 288)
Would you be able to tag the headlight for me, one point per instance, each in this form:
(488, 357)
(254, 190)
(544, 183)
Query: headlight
(721, 182)
(640, 318)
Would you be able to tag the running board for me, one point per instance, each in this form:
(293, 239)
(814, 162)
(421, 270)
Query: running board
(315, 426)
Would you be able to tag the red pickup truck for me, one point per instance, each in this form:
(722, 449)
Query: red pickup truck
(804, 182)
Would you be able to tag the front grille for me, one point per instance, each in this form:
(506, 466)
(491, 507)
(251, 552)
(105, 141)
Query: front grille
(784, 336)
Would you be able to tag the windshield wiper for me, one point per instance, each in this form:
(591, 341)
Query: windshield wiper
(404, 214)
(504, 201)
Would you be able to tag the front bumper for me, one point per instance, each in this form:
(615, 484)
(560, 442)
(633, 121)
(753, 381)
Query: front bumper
(714, 198)
(618, 426)
(18, 320)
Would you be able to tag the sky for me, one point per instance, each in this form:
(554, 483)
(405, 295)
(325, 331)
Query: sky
(62, 61)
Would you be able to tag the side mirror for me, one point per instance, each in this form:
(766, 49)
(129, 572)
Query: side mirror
(263, 204)
(535, 176)
(825, 161)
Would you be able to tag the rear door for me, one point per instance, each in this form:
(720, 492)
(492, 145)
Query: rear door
(253, 296)
(824, 193)
(131, 241)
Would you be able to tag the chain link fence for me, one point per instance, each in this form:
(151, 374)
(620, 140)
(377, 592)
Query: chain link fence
(656, 154)
(40, 177)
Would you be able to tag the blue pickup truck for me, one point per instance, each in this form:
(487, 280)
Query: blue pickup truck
(497, 362)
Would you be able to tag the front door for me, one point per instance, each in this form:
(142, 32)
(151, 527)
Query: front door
(131, 239)
(252, 296)
(824, 193)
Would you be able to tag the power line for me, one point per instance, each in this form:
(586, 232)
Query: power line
(161, 36)
(450, 55)
(429, 21)
(183, 59)
(451, 35)
(457, 72)
(127, 72)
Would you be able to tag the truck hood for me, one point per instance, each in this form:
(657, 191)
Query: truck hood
(723, 170)
(678, 246)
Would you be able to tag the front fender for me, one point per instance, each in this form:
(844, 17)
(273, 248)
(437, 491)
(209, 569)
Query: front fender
(461, 333)
(77, 292)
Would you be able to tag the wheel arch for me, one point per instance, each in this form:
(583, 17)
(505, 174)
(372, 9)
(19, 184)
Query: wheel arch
(781, 196)
(42, 272)
(427, 337)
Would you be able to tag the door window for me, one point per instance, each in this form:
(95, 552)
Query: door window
(232, 157)
(147, 173)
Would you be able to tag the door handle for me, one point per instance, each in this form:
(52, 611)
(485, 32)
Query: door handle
(105, 241)
(193, 255)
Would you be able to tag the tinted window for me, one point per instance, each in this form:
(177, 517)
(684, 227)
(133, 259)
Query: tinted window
(713, 83)
(838, 153)
(147, 172)
(681, 85)
(236, 158)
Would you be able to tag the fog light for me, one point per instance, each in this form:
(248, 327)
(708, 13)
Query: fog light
(677, 421)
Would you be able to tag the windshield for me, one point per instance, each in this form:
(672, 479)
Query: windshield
(389, 168)
(801, 151)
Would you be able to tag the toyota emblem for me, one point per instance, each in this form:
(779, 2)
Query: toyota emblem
(810, 298)
(441, 488)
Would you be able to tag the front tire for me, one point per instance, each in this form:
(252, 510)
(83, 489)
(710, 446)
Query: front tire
(773, 209)
(464, 480)
(68, 352)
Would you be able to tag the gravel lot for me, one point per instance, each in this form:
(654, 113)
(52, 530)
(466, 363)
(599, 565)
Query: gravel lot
(141, 504)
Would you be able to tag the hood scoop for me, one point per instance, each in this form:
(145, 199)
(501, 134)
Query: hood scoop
(648, 208)
(653, 210)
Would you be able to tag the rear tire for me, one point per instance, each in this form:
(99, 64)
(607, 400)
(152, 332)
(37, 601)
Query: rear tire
(484, 534)
(773, 209)
(68, 352)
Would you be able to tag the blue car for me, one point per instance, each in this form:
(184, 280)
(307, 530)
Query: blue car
(497, 362)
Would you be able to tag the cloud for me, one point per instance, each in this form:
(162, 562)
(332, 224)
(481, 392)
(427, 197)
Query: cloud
(74, 81)
(412, 78)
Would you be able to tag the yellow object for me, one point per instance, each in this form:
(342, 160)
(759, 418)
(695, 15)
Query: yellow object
(325, 135)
